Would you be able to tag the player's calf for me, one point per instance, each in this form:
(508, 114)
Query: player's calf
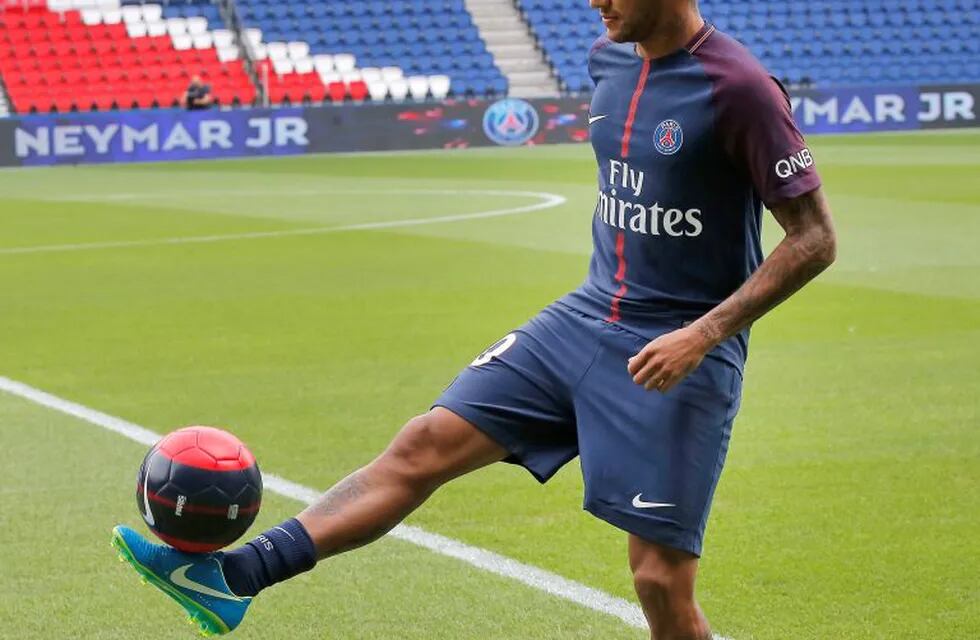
(664, 582)
(429, 450)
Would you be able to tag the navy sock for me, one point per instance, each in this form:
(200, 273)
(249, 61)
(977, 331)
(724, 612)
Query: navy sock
(276, 555)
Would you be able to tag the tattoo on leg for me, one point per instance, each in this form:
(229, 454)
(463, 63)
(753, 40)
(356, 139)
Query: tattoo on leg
(356, 533)
(340, 495)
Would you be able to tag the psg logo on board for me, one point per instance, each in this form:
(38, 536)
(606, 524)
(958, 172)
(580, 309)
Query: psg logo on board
(511, 122)
(669, 137)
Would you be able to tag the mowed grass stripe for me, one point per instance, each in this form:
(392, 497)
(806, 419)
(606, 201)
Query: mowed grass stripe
(546, 201)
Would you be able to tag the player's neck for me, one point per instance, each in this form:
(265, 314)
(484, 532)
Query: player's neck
(673, 33)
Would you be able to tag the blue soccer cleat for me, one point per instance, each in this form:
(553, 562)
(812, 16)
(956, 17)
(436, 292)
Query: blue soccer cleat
(195, 581)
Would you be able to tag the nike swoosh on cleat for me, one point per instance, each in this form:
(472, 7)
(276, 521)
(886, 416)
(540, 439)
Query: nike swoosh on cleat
(179, 578)
(148, 516)
(595, 119)
(640, 504)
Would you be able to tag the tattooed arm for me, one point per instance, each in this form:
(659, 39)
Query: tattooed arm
(810, 246)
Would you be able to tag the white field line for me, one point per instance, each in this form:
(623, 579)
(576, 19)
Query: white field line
(546, 201)
(494, 563)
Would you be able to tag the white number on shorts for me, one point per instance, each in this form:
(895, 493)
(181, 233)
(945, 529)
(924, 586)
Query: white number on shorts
(495, 350)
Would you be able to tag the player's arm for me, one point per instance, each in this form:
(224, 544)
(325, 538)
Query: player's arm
(809, 247)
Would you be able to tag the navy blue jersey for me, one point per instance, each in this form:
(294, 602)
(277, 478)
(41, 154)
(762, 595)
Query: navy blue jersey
(689, 147)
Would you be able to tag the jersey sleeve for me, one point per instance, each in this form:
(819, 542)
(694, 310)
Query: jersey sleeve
(757, 128)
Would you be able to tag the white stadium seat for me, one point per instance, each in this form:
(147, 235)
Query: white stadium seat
(182, 41)
(298, 50)
(348, 77)
(136, 29)
(282, 66)
(323, 62)
(371, 74)
(176, 26)
(202, 41)
(260, 51)
(227, 54)
(391, 73)
(329, 77)
(344, 62)
(91, 17)
(59, 5)
(152, 13)
(112, 16)
(254, 36)
(378, 90)
(398, 89)
(156, 29)
(418, 86)
(277, 51)
(132, 13)
(223, 38)
(197, 25)
(84, 4)
(106, 5)
(439, 86)
(303, 65)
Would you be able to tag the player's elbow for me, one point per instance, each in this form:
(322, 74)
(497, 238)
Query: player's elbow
(820, 243)
(826, 247)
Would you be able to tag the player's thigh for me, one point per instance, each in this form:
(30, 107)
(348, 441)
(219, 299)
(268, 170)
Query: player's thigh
(519, 391)
(440, 445)
(651, 461)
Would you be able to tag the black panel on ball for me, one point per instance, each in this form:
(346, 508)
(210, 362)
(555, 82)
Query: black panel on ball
(198, 509)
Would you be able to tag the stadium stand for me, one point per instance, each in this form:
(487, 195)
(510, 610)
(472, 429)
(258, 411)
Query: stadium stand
(379, 48)
(101, 54)
(804, 42)
(59, 58)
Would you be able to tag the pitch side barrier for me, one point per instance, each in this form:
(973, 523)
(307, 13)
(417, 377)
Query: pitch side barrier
(162, 135)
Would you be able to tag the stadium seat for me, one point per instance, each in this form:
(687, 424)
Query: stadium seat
(418, 87)
(99, 55)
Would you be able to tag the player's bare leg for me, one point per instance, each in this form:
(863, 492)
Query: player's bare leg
(430, 450)
(664, 580)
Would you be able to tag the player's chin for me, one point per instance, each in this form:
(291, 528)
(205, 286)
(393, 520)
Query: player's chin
(616, 33)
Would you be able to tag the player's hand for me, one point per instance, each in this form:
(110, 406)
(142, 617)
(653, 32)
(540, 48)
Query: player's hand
(669, 359)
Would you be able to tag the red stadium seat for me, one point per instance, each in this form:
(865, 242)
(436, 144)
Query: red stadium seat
(358, 90)
(337, 91)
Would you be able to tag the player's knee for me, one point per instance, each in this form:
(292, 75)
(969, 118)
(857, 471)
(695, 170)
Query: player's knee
(653, 584)
(413, 455)
(661, 583)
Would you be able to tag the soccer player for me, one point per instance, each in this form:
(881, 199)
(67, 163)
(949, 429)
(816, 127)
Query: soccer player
(639, 371)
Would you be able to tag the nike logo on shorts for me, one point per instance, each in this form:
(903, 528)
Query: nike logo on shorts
(640, 504)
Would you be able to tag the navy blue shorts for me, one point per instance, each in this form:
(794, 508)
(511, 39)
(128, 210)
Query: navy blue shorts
(558, 387)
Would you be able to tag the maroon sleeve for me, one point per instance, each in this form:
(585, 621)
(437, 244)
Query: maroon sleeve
(755, 124)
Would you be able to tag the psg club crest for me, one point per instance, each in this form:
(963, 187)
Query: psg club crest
(511, 122)
(669, 137)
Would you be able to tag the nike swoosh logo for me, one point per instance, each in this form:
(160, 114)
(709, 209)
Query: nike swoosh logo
(640, 504)
(148, 515)
(179, 578)
(595, 119)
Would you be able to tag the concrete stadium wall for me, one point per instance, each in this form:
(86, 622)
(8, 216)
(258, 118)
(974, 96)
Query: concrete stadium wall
(160, 135)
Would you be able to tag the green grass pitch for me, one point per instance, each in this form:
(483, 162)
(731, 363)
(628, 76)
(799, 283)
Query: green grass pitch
(850, 507)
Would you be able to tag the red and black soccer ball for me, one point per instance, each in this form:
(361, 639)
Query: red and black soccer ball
(199, 489)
